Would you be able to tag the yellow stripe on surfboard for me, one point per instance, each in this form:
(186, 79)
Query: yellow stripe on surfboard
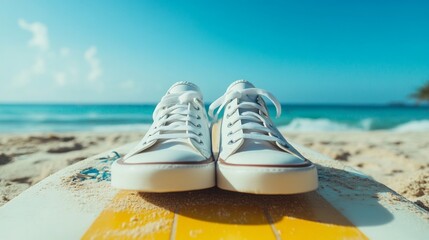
(305, 216)
(125, 219)
(223, 222)
(312, 218)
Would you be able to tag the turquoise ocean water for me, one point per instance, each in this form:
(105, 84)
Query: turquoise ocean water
(65, 118)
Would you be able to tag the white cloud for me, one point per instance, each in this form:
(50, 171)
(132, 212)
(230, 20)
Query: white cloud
(40, 34)
(38, 40)
(57, 67)
(60, 78)
(64, 52)
(37, 68)
(94, 64)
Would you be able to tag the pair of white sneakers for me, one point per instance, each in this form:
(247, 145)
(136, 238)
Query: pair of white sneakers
(176, 153)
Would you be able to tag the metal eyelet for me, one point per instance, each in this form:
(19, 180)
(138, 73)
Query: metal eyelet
(197, 108)
(198, 125)
(232, 113)
(229, 134)
(200, 134)
(229, 125)
(228, 115)
(200, 141)
(198, 117)
(230, 142)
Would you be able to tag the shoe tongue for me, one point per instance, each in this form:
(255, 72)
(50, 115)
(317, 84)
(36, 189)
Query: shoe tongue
(240, 85)
(248, 143)
(180, 87)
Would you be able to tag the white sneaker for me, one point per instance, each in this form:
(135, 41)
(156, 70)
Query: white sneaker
(254, 157)
(175, 154)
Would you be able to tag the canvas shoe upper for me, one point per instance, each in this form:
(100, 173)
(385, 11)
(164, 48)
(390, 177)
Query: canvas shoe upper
(175, 154)
(180, 129)
(251, 142)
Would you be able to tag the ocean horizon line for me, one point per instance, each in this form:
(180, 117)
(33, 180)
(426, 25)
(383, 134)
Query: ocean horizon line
(393, 104)
(294, 117)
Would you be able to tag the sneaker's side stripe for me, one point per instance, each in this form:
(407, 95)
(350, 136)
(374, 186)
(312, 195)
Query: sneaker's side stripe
(305, 216)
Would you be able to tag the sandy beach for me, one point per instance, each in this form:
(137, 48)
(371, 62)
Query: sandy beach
(398, 160)
(26, 159)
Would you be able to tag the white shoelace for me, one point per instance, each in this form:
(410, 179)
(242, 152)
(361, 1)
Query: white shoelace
(258, 123)
(173, 117)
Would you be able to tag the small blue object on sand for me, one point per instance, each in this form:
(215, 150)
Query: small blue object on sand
(100, 172)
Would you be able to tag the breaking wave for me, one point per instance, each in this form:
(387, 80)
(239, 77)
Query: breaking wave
(413, 126)
(368, 124)
(315, 125)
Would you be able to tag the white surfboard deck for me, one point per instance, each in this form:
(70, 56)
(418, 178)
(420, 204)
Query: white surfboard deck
(66, 205)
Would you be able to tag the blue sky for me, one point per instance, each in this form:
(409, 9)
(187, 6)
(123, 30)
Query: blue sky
(131, 52)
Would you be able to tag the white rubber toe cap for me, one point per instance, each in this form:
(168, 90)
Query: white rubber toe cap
(167, 153)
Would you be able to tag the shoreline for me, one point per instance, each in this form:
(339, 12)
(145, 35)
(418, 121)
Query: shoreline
(399, 160)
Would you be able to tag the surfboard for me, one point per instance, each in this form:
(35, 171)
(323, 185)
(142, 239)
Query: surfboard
(78, 202)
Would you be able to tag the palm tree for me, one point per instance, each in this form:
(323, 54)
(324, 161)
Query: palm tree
(422, 94)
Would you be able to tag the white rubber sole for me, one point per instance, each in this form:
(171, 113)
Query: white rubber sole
(267, 180)
(163, 177)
